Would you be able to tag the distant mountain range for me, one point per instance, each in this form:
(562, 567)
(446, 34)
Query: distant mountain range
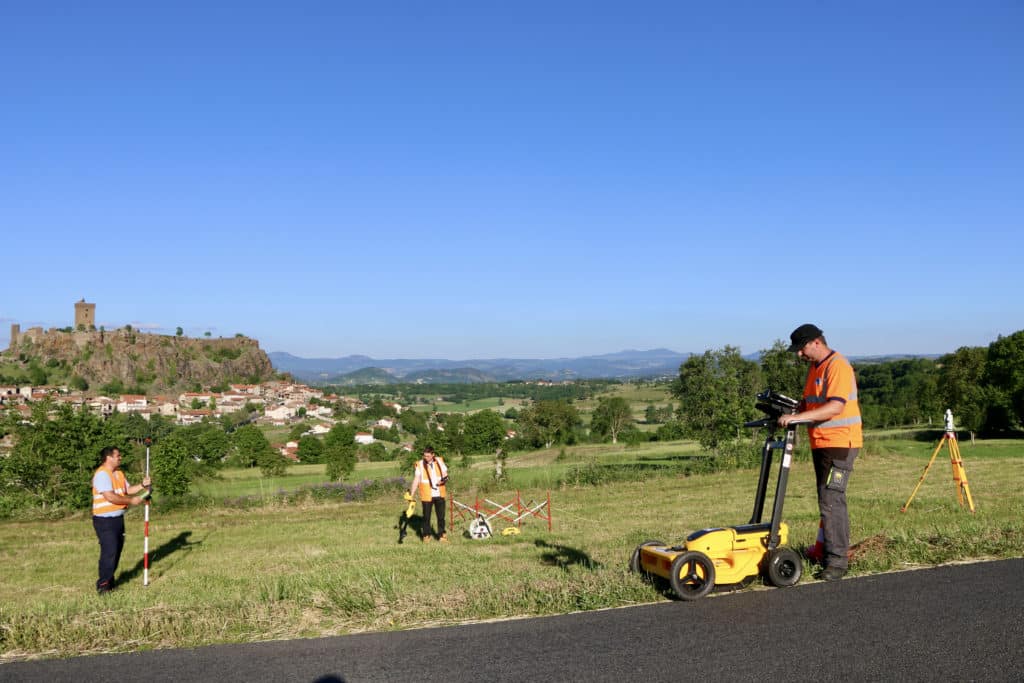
(352, 370)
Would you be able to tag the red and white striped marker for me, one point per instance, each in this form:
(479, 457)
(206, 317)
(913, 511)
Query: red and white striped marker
(145, 536)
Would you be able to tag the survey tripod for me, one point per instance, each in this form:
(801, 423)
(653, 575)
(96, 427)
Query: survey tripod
(963, 490)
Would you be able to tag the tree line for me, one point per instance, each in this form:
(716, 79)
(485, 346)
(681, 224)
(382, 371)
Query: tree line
(983, 386)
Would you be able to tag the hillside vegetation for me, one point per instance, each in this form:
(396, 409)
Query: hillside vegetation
(126, 360)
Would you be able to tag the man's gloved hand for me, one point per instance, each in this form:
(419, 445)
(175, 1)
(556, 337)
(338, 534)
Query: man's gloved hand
(407, 496)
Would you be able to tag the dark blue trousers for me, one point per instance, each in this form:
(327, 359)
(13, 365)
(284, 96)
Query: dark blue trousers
(110, 532)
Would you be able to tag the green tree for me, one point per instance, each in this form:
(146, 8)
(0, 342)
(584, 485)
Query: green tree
(1004, 373)
(484, 431)
(36, 374)
(311, 449)
(611, 417)
(672, 430)
(55, 454)
(340, 451)
(782, 371)
(209, 442)
(414, 422)
(717, 392)
(171, 464)
(546, 423)
(178, 332)
(375, 452)
(961, 380)
(297, 430)
(454, 436)
(250, 448)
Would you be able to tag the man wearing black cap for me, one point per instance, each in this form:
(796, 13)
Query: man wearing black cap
(830, 402)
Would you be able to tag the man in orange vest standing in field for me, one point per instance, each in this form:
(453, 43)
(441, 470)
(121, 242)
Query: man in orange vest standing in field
(111, 495)
(830, 402)
(429, 478)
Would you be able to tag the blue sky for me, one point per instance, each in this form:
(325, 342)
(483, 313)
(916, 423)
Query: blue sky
(530, 179)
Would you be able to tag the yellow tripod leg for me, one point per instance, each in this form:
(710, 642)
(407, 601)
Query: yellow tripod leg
(923, 474)
(963, 489)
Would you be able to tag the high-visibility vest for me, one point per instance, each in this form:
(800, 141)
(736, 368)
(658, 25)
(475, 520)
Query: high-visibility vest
(830, 379)
(101, 505)
(430, 478)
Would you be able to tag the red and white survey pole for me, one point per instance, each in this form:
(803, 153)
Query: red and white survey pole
(145, 535)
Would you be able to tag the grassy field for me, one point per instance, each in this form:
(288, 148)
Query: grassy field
(497, 404)
(310, 569)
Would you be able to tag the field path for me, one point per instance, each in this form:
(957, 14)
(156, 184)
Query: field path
(957, 622)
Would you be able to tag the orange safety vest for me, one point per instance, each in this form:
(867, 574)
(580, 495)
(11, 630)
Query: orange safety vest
(832, 379)
(430, 477)
(101, 505)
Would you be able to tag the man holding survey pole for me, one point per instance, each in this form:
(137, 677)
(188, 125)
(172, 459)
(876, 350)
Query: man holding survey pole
(111, 496)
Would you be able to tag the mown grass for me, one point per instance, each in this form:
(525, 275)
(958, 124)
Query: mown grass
(306, 569)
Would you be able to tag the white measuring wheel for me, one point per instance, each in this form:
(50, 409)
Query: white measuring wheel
(479, 528)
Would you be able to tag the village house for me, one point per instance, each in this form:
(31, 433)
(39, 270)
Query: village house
(279, 415)
(9, 395)
(165, 405)
(193, 417)
(231, 403)
(319, 411)
(364, 438)
(188, 397)
(353, 405)
(289, 450)
(75, 400)
(384, 423)
(102, 406)
(131, 403)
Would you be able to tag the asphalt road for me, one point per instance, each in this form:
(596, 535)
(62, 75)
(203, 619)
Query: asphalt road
(962, 622)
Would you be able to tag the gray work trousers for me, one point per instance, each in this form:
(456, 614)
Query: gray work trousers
(832, 469)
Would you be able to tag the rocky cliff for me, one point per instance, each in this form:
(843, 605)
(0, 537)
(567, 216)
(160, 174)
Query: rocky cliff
(155, 363)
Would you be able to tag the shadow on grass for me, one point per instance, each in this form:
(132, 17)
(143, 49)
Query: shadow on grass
(405, 523)
(178, 543)
(563, 556)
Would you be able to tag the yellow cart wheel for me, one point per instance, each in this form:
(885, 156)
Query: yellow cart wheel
(693, 575)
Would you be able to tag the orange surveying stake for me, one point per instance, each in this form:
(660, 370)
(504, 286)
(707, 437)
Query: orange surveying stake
(963, 490)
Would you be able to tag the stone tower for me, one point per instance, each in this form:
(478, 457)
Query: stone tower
(15, 333)
(85, 315)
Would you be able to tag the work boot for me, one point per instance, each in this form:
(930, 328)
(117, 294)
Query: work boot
(444, 538)
(428, 539)
(832, 573)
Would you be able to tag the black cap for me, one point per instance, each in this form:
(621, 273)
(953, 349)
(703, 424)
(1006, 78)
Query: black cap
(803, 334)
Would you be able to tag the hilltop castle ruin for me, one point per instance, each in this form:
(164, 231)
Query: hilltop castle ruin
(85, 320)
(139, 359)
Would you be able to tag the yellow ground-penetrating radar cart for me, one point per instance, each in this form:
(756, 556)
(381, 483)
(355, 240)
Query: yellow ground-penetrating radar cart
(737, 554)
